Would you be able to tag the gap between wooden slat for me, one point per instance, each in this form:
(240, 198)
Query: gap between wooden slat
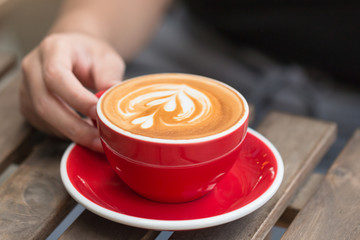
(300, 199)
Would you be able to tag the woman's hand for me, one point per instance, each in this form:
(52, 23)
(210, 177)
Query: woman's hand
(57, 76)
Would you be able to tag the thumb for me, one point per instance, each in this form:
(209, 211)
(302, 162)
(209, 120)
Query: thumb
(108, 70)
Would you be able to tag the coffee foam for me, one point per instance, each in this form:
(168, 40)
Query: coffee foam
(172, 106)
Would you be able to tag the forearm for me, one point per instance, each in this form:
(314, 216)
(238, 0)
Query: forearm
(125, 24)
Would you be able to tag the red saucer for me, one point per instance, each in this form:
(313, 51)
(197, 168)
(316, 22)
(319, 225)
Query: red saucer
(252, 181)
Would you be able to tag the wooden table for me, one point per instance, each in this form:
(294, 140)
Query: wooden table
(33, 200)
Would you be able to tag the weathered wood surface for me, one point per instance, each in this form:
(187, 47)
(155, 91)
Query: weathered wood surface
(7, 61)
(33, 201)
(286, 132)
(91, 227)
(301, 142)
(334, 211)
(13, 128)
(300, 199)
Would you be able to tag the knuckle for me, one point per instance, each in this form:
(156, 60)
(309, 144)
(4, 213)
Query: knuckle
(51, 72)
(50, 41)
(26, 62)
(121, 64)
(117, 59)
(117, 62)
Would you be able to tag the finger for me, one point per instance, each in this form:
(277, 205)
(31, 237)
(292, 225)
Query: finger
(72, 125)
(59, 116)
(28, 111)
(61, 81)
(108, 70)
(75, 128)
(25, 100)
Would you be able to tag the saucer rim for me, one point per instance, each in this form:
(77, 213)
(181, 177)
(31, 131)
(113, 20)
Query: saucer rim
(175, 225)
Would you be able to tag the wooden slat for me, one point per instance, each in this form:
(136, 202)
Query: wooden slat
(300, 199)
(13, 128)
(7, 61)
(334, 211)
(91, 227)
(33, 200)
(301, 142)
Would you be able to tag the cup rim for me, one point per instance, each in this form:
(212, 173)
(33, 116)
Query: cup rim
(121, 131)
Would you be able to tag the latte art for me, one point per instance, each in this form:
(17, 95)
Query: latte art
(172, 106)
(184, 105)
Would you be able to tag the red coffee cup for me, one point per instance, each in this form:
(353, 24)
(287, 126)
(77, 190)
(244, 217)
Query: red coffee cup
(170, 170)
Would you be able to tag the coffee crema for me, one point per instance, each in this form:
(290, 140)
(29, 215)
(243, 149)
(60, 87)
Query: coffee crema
(172, 106)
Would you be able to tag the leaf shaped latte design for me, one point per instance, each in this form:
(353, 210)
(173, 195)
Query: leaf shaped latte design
(180, 103)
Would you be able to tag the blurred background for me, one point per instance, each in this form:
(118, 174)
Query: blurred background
(23, 23)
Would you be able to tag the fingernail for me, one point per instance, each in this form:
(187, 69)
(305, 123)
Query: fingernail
(96, 145)
(93, 112)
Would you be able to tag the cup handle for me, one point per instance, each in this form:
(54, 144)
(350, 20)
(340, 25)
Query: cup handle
(98, 94)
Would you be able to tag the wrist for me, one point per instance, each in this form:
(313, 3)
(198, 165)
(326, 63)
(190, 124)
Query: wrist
(83, 24)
